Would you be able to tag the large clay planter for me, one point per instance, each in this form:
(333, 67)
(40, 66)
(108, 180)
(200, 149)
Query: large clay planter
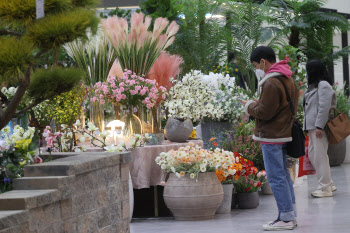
(225, 207)
(178, 130)
(336, 153)
(190, 200)
(248, 200)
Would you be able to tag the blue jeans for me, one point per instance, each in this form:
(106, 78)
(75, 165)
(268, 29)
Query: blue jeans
(275, 160)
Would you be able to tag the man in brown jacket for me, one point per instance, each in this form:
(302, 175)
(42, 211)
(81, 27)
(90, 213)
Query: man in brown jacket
(273, 129)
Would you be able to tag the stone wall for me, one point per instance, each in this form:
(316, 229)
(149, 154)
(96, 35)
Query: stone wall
(84, 193)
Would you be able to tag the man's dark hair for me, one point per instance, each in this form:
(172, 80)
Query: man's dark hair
(263, 52)
(317, 72)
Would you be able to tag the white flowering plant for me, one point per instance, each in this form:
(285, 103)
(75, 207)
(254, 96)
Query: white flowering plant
(227, 95)
(65, 140)
(16, 151)
(194, 99)
(193, 160)
(137, 140)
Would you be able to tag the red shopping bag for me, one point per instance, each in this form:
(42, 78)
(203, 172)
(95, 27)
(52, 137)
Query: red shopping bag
(305, 166)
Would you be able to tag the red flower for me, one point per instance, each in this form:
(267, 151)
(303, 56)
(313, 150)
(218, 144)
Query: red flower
(247, 189)
(259, 184)
(215, 144)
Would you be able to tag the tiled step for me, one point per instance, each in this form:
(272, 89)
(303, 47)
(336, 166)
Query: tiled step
(41, 182)
(27, 199)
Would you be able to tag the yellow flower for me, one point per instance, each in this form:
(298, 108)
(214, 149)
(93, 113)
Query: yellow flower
(236, 70)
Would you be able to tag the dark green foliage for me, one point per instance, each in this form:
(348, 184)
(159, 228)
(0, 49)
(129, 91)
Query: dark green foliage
(20, 13)
(169, 9)
(16, 56)
(121, 13)
(56, 30)
(45, 84)
(85, 3)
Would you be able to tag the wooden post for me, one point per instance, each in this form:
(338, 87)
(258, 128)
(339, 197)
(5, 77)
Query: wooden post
(40, 9)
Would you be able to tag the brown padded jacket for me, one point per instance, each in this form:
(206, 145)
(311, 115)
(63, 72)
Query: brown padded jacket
(273, 116)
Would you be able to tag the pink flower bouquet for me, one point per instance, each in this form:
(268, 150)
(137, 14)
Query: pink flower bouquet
(129, 90)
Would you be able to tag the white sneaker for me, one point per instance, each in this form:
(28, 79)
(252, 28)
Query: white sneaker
(279, 225)
(320, 193)
(334, 188)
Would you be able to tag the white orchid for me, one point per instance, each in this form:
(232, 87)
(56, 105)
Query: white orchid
(6, 130)
(92, 127)
(113, 148)
(105, 134)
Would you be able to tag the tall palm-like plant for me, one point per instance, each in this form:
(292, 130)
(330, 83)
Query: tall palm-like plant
(201, 40)
(247, 23)
(95, 57)
(309, 28)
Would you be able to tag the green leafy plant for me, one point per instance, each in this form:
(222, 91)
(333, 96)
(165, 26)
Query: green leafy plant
(24, 40)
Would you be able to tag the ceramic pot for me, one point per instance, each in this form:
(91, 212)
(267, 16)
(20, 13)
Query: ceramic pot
(248, 200)
(225, 207)
(178, 130)
(193, 199)
(336, 153)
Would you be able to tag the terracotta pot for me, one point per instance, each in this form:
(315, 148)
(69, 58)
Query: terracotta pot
(225, 207)
(266, 189)
(248, 200)
(337, 153)
(178, 130)
(191, 199)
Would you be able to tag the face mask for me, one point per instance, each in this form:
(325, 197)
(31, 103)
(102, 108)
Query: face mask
(260, 72)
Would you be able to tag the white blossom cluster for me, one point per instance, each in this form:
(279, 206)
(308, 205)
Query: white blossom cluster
(9, 92)
(19, 133)
(193, 98)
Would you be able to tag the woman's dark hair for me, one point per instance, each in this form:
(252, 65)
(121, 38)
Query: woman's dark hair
(263, 52)
(317, 72)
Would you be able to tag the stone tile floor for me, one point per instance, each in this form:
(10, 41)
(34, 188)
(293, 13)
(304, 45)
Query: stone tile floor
(315, 215)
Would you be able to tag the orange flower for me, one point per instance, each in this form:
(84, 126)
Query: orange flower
(212, 139)
(236, 177)
(215, 144)
(182, 173)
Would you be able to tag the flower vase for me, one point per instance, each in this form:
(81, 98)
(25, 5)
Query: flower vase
(225, 207)
(133, 123)
(157, 136)
(97, 115)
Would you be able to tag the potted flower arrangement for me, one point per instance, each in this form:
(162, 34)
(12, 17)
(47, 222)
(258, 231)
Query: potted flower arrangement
(227, 177)
(227, 94)
(132, 92)
(16, 151)
(192, 171)
(190, 99)
(247, 183)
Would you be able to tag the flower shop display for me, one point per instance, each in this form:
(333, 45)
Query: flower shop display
(241, 141)
(190, 99)
(133, 92)
(136, 47)
(192, 170)
(16, 151)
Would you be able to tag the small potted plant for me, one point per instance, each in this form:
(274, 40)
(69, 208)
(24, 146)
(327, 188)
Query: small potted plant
(192, 171)
(247, 183)
(226, 177)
